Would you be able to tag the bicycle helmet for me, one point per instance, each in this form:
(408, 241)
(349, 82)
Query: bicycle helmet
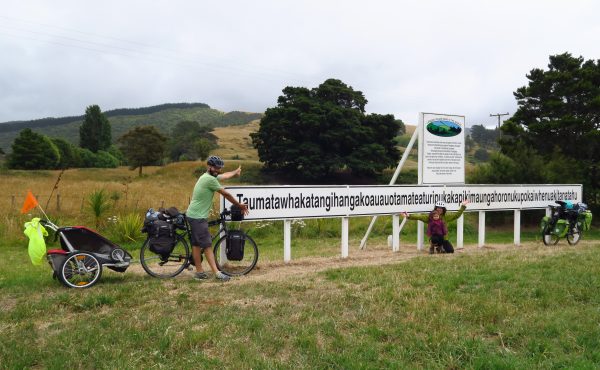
(215, 161)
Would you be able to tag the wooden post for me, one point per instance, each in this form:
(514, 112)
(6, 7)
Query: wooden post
(58, 202)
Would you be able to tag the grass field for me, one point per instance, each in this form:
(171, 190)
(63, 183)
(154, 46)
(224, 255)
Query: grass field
(534, 307)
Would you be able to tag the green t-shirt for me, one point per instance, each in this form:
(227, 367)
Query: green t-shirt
(202, 196)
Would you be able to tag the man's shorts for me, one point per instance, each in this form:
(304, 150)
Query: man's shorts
(200, 234)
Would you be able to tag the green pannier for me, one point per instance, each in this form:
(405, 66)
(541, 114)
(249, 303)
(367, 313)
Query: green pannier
(585, 220)
(561, 228)
(544, 222)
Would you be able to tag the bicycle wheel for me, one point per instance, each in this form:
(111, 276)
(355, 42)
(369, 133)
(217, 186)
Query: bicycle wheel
(548, 238)
(80, 270)
(574, 235)
(236, 268)
(162, 266)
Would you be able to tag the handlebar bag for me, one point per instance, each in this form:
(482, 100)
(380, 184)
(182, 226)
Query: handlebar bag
(234, 245)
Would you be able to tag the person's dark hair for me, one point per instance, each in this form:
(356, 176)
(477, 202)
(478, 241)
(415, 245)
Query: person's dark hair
(215, 161)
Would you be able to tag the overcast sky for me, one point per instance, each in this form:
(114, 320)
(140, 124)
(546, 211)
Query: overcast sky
(455, 57)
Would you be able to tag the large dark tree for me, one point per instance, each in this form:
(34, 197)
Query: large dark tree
(69, 154)
(312, 133)
(558, 120)
(143, 146)
(189, 140)
(32, 151)
(95, 131)
(483, 136)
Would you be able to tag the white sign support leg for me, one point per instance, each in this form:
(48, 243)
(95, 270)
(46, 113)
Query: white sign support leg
(481, 229)
(460, 228)
(420, 235)
(395, 233)
(287, 240)
(345, 229)
(517, 227)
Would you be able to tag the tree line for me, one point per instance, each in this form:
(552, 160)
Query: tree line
(141, 146)
(45, 122)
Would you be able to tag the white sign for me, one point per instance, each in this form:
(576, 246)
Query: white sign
(441, 149)
(285, 202)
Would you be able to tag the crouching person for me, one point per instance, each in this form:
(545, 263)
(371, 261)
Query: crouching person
(436, 225)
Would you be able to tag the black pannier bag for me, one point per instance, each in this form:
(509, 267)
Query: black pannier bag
(234, 245)
(161, 237)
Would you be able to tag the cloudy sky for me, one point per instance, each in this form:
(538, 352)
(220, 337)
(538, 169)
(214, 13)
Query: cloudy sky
(454, 57)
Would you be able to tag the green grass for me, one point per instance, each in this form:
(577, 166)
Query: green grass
(530, 308)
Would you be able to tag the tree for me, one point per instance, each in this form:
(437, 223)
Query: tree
(483, 136)
(558, 122)
(314, 133)
(185, 136)
(95, 131)
(142, 146)
(69, 154)
(32, 151)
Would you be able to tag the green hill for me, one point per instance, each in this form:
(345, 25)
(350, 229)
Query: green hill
(164, 117)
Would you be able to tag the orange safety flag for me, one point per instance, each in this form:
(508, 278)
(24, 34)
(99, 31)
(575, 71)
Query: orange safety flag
(30, 202)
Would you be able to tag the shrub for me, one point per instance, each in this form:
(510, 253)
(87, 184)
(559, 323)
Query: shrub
(127, 228)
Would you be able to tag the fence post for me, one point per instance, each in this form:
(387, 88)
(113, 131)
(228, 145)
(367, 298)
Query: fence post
(460, 228)
(287, 240)
(517, 227)
(58, 202)
(481, 229)
(345, 237)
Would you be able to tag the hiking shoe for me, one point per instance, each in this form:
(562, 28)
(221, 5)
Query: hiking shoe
(431, 250)
(222, 277)
(200, 276)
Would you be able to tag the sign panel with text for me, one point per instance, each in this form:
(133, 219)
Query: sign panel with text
(441, 149)
(286, 202)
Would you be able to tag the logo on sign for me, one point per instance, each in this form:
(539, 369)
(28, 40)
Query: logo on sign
(444, 128)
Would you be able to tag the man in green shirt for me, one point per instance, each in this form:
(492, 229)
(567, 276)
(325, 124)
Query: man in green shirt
(198, 210)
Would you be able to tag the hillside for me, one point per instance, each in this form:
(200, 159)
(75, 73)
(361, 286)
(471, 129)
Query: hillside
(164, 117)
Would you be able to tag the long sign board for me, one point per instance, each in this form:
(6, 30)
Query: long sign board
(286, 202)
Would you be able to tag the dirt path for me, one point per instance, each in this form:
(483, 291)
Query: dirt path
(373, 255)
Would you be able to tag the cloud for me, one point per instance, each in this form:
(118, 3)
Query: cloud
(459, 57)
